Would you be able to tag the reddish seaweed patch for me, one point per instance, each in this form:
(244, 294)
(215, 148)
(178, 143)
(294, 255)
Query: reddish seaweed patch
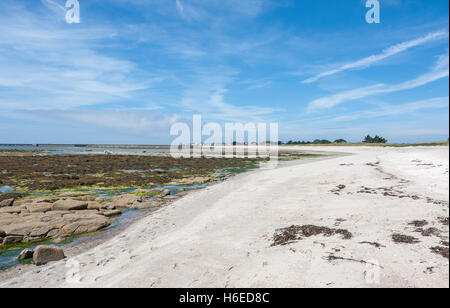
(443, 251)
(294, 233)
(404, 239)
(418, 223)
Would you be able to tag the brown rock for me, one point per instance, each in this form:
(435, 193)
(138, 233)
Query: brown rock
(69, 205)
(46, 253)
(7, 202)
(39, 207)
(45, 200)
(164, 192)
(146, 205)
(84, 225)
(12, 240)
(22, 202)
(30, 228)
(11, 210)
(111, 213)
(86, 198)
(191, 181)
(127, 201)
(94, 205)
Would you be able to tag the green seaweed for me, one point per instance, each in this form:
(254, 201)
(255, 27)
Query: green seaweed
(145, 194)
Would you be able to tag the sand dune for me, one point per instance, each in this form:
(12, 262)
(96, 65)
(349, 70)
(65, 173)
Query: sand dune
(222, 236)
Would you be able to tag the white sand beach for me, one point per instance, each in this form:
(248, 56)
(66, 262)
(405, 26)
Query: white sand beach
(222, 236)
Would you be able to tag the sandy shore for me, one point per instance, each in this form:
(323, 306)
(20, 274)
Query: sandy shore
(222, 236)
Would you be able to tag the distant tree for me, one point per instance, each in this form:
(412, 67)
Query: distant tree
(376, 139)
(323, 141)
(340, 141)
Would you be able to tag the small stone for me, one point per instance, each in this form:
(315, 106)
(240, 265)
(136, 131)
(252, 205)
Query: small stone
(26, 254)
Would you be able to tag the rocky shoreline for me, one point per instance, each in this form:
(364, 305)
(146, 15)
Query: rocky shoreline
(30, 217)
(58, 218)
(32, 221)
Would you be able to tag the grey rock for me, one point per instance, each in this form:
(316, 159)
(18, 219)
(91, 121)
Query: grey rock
(47, 253)
(26, 254)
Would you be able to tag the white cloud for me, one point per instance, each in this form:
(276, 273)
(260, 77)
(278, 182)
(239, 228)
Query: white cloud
(46, 64)
(389, 52)
(394, 110)
(439, 71)
(142, 122)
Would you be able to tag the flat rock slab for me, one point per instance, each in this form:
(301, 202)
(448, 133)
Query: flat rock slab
(39, 207)
(69, 205)
(53, 224)
(12, 240)
(10, 210)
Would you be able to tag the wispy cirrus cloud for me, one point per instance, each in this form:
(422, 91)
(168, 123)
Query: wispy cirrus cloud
(393, 110)
(46, 64)
(440, 70)
(389, 52)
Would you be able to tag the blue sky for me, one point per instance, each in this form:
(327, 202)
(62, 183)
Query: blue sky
(132, 68)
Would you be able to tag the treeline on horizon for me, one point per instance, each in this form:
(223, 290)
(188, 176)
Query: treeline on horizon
(367, 139)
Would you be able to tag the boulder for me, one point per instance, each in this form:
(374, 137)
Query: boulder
(52, 224)
(127, 201)
(7, 202)
(2, 233)
(84, 225)
(32, 227)
(26, 254)
(69, 205)
(47, 253)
